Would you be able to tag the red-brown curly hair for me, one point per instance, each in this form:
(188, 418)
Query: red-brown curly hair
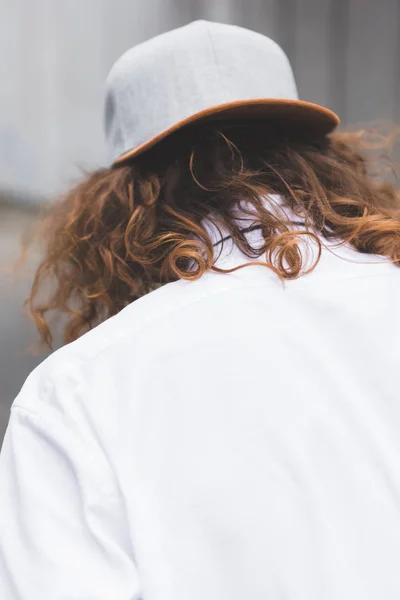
(124, 231)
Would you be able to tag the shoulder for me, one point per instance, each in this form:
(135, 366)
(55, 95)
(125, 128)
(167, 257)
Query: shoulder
(145, 328)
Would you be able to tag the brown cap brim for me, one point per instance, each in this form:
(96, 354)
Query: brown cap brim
(319, 120)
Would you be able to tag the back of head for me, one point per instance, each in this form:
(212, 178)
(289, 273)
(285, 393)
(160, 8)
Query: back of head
(201, 122)
(123, 231)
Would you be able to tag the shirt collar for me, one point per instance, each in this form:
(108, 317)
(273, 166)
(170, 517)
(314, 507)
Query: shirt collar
(336, 257)
(227, 254)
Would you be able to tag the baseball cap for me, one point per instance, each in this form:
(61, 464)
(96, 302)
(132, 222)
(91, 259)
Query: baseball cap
(201, 71)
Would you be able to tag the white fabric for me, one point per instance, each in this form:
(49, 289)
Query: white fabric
(228, 439)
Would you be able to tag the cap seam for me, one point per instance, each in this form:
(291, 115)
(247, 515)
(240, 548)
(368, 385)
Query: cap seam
(214, 54)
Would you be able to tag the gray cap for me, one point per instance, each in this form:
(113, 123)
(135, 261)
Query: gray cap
(200, 71)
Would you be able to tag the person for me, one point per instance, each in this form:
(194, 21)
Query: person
(223, 421)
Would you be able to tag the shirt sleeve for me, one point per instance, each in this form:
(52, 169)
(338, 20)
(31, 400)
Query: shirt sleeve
(62, 534)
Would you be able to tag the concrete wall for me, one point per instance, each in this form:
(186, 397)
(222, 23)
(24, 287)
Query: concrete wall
(16, 332)
(55, 54)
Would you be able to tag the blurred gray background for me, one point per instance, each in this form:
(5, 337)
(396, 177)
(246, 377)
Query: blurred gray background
(55, 55)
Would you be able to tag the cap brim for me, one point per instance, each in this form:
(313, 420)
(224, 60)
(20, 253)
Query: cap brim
(317, 119)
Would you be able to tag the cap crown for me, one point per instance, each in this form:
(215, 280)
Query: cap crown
(170, 77)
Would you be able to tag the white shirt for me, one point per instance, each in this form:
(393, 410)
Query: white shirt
(226, 439)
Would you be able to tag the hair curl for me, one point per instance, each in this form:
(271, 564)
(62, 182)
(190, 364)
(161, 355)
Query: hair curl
(126, 230)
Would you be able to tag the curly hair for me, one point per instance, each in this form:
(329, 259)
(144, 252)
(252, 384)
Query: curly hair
(124, 231)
